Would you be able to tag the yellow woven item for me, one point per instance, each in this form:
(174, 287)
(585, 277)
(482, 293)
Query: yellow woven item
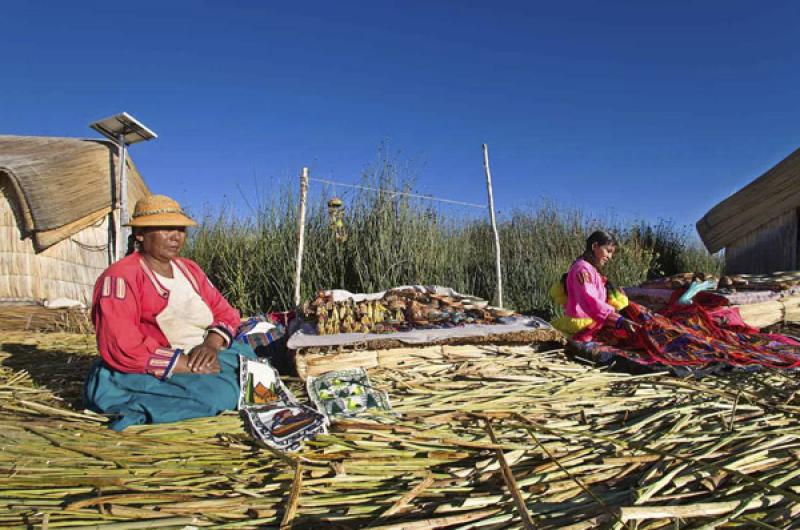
(617, 300)
(570, 325)
(558, 293)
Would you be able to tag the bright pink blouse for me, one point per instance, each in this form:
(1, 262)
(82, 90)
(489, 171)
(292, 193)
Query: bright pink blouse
(587, 297)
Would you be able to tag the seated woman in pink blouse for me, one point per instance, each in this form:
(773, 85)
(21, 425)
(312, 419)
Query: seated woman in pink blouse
(589, 301)
(686, 337)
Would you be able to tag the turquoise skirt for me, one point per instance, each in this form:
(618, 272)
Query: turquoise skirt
(136, 399)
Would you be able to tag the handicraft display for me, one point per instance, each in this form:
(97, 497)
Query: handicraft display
(400, 309)
(346, 393)
(272, 413)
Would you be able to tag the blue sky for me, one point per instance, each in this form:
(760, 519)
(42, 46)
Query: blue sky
(631, 109)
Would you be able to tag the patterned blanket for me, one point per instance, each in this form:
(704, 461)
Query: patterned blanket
(694, 338)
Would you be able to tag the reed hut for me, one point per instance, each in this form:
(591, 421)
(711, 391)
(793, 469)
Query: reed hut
(55, 198)
(757, 226)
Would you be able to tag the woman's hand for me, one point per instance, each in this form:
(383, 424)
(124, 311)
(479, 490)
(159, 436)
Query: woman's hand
(182, 366)
(203, 360)
(620, 322)
(630, 326)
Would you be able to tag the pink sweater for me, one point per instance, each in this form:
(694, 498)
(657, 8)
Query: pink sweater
(587, 296)
(127, 301)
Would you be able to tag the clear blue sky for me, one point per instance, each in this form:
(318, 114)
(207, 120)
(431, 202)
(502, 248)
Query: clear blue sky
(638, 109)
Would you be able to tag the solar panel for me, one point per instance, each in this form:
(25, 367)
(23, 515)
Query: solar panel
(130, 128)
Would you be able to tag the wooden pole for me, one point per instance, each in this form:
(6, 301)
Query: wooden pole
(294, 498)
(498, 271)
(508, 475)
(122, 218)
(114, 215)
(301, 234)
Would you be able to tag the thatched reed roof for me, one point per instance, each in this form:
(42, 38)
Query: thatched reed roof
(761, 201)
(62, 185)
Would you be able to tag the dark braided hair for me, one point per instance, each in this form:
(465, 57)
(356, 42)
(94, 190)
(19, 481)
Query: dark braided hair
(133, 244)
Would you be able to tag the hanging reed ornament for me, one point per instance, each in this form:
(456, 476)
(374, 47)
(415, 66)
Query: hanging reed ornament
(336, 216)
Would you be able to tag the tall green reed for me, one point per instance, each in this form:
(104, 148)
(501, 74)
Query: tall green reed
(394, 240)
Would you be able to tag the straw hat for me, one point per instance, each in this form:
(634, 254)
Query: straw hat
(159, 210)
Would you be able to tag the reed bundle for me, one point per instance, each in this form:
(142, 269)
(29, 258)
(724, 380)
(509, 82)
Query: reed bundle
(37, 318)
(508, 440)
(763, 314)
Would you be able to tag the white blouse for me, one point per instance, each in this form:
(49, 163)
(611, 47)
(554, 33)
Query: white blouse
(186, 317)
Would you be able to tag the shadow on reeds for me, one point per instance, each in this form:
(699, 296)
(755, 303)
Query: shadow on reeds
(578, 353)
(61, 373)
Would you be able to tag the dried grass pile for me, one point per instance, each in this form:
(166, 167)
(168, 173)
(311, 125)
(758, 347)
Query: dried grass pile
(508, 440)
(37, 318)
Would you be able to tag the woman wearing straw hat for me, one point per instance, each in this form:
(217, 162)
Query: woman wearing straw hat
(164, 332)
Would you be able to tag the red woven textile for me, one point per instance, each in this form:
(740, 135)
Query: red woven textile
(691, 336)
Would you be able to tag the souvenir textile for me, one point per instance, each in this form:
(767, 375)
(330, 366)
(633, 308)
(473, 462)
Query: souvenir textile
(261, 385)
(260, 331)
(284, 427)
(266, 334)
(346, 393)
(696, 339)
(272, 413)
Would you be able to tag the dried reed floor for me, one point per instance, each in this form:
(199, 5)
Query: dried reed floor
(500, 438)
